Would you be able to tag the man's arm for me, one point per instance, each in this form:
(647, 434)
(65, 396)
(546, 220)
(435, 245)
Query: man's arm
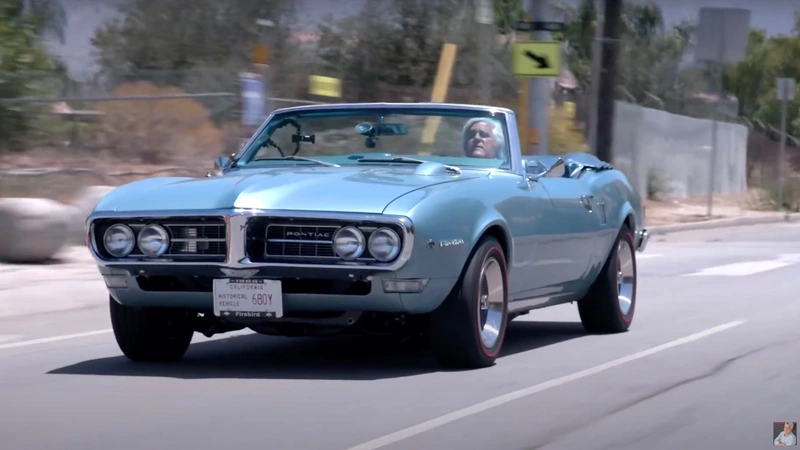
(777, 440)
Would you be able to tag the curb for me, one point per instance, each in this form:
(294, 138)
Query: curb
(723, 223)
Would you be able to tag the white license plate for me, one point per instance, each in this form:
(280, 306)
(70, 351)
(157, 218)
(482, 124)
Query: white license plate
(247, 298)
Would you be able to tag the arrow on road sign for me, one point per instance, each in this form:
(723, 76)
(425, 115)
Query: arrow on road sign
(536, 59)
(540, 60)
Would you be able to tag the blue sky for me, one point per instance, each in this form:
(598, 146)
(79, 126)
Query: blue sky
(84, 16)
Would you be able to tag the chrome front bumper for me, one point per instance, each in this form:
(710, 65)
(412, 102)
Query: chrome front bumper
(641, 239)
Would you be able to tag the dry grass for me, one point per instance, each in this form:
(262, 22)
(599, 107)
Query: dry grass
(155, 131)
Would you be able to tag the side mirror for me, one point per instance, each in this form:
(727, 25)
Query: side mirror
(221, 163)
(533, 169)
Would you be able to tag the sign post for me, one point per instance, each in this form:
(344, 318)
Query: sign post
(785, 92)
(253, 106)
(441, 84)
(722, 37)
(484, 17)
(261, 56)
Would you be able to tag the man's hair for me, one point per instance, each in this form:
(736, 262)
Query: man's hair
(790, 424)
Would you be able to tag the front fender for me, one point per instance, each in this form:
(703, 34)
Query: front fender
(448, 223)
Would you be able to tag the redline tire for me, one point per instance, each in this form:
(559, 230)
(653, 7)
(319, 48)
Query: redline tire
(459, 335)
(610, 304)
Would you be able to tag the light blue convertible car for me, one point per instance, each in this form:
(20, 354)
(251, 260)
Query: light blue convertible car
(389, 218)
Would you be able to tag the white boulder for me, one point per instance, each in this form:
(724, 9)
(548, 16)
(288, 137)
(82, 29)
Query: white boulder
(32, 230)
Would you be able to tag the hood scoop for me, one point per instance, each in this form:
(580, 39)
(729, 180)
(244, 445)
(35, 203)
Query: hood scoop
(430, 168)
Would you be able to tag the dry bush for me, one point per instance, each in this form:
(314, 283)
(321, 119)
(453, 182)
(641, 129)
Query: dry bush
(158, 131)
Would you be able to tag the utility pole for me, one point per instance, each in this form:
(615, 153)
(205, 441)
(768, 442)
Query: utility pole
(484, 16)
(604, 147)
(597, 57)
(540, 94)
(785, 89)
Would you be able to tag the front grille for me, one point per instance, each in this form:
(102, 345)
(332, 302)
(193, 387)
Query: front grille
(197, 239)
(302, 240)
(201, 239)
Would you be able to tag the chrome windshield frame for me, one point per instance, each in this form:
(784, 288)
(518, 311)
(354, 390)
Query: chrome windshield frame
(515, 154)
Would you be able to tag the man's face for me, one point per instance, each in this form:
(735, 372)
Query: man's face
(787, 428)
(480, 141)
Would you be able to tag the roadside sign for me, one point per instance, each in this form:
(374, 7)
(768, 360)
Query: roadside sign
(785, 89)
(722, 35)
(260, 54)
(324, 86)
(536, 59)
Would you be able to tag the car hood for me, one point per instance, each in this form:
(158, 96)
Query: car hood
(345, 189)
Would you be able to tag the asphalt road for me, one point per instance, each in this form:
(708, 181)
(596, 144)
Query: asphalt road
(712, 360)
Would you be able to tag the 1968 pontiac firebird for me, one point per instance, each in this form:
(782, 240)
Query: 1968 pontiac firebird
(390, 218)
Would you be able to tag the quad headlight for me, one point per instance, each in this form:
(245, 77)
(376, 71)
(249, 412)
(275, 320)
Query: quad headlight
(384, 244)
(153, 240)
(119, 240)
(349, 243)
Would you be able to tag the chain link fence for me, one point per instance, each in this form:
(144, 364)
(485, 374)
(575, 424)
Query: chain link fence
(128, 123)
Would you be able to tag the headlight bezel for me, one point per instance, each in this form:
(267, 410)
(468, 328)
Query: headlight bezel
(130, 246)
(397, 246)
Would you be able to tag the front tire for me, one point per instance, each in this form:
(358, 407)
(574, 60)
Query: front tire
(468, 329)
(151, 334)
(611, 301)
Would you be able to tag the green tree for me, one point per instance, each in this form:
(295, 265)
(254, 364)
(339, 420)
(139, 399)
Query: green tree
(397, 43)
(171, 37)
(22, 52)
(753, 80)
(507, 13)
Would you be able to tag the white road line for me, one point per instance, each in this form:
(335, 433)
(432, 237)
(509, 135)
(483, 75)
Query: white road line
(53, 339)
(516, 395)
(640, 256)
(747, 268)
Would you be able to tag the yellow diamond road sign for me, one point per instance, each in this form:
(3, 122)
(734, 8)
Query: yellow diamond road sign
(537, 59)
(324, 86)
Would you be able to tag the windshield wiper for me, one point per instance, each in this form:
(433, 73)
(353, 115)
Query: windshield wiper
(405, 159)
(299, 158)
(393, 159)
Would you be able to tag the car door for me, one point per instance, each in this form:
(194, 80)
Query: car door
(527, 211)
(576, 222)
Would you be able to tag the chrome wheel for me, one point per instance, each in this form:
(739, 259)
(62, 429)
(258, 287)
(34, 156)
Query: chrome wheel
(625, 276)
(490, 303)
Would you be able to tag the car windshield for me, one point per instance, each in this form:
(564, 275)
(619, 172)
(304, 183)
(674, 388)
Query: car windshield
(397, 135)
